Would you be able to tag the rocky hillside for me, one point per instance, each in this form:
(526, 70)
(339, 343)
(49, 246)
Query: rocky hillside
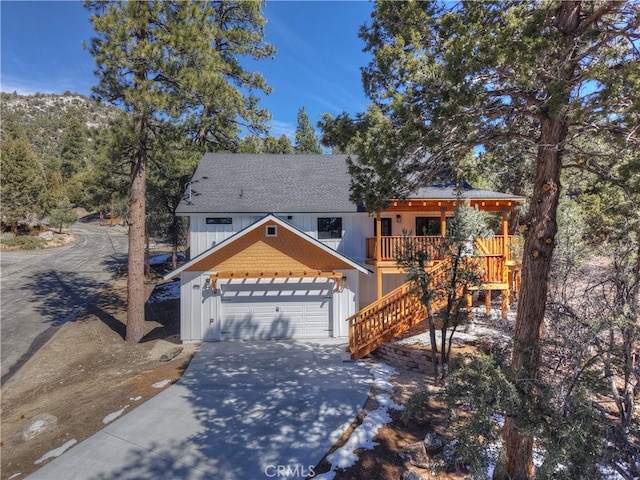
(44, 116)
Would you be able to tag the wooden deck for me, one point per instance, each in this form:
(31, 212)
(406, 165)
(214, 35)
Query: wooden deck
(401, 309)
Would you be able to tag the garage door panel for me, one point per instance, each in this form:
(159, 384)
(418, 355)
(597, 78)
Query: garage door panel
(255, 314)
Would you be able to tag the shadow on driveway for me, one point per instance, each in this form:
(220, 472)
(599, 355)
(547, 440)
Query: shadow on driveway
(242, 410)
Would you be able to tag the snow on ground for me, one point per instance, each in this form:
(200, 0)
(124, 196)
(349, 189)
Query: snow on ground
(56, 452)
(165, 291)
(112, 416)
(362, 436)
(161, 383)
(163, 258)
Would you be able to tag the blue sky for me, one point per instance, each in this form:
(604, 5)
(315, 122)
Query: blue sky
(317, 64)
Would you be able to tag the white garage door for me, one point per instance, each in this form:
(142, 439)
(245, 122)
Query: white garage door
(295, 308)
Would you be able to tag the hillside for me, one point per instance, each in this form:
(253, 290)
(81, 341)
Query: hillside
(44, 116)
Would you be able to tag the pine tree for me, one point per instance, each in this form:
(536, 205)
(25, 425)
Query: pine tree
(446, 79)
(306, 138)
(62, 215)
(23, 190)
(179, 61)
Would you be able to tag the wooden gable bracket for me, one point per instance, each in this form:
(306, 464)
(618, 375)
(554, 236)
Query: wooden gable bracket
(276, 274)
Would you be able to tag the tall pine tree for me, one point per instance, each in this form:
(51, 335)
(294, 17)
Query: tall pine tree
(306, 138)
(179, 61)
(447, 78)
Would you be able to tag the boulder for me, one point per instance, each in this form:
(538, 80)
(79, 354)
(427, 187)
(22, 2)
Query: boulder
(47, 235)
(413, 475)
(415, 454)
(433, 443)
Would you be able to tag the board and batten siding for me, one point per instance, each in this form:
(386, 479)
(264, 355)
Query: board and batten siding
(355, 228)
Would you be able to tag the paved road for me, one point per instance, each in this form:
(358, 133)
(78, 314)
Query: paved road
(42, 289)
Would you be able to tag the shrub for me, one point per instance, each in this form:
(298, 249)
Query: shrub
(25, 242)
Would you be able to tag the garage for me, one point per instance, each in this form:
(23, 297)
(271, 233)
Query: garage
(276, 308)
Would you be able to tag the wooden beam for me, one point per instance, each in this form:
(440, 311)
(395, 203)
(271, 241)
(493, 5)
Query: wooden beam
(378, 254)
(258, 274)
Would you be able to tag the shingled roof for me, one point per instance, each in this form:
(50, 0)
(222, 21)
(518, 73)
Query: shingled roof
(256, 183)
(265, 183)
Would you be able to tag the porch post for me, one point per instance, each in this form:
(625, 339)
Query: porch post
(505, 259)
(379, 253)
(443, 222)
(505, 234)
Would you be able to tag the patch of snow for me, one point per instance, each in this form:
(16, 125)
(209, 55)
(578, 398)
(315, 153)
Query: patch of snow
(161, 384)
(135, 399)
(112, 416)
(15, 475)
(56, 452)
(384, 400)
(382, 374)
(609, 473)
(362, 436)
(165, 292)
(162, 258)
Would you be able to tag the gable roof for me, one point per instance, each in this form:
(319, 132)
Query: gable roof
(262, 183)
(250, 236)
(256, 183)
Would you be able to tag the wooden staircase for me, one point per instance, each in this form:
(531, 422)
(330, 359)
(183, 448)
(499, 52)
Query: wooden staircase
(385, 319)
(401, 309)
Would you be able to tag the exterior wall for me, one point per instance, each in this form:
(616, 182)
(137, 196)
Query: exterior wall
(193, 296)
(355, 228)
(368, 287)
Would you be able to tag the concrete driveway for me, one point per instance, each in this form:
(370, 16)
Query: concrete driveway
(243, 410)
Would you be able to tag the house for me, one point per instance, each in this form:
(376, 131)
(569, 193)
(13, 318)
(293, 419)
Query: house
(278, 249)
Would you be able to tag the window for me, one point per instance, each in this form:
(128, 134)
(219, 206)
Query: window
(218, 221)
(330, 227)
(272, 231)
(385, 231)
(427, 226)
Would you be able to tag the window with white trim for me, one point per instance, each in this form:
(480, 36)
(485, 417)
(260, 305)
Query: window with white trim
(271, 231)
(329, 227)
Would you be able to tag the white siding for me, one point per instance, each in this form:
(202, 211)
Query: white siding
(355, 228)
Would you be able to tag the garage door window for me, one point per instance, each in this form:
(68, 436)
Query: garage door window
(330, 227)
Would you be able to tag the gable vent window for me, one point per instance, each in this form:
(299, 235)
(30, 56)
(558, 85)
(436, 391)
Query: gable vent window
(272, 231)
(330, 227)
(219, 221)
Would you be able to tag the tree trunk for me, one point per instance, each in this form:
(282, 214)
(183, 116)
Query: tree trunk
(536, 267)
(137, 190)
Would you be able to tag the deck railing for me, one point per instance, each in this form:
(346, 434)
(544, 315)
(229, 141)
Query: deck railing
(388, 317)
(401, 309)
(392, 247)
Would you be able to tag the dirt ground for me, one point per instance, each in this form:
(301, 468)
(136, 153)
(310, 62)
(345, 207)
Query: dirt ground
(85, 372)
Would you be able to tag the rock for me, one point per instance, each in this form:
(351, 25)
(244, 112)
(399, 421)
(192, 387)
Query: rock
(47, 235)
(7, 236)
(412, 475)
(37, 425)
(415, 454)
(433, 443)
(174, 352)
